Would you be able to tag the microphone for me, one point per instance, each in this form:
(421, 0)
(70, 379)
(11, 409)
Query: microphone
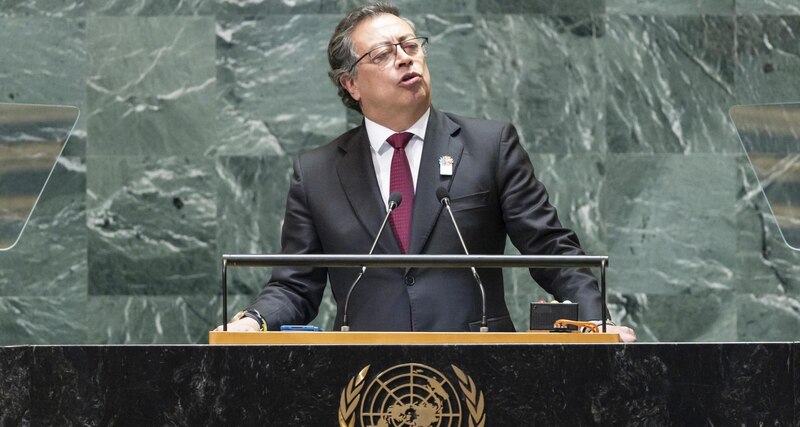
(444, 199)
(394, 201)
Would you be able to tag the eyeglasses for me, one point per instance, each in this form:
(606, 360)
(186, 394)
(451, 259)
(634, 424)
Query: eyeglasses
(384, 53)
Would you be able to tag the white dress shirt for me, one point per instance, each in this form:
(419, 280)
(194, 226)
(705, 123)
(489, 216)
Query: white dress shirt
(382, 152)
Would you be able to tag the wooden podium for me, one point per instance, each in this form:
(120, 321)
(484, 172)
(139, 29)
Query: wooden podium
(407, 338)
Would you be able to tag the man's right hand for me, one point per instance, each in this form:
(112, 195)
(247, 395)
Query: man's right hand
(245, 324)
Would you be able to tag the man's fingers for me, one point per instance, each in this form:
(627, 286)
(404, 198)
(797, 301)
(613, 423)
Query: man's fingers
(628, 334)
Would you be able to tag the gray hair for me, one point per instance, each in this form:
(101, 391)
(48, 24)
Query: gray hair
(342, 55)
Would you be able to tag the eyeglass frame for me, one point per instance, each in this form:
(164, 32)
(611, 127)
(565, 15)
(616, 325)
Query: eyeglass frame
(394, 45)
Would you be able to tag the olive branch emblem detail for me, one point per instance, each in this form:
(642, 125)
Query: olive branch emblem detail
(475, 402)
(350, 398)
(411, 394)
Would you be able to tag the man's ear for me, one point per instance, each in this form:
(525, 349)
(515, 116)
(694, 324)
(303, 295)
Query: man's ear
(351, 86)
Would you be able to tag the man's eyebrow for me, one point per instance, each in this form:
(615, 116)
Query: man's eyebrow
(402, 38)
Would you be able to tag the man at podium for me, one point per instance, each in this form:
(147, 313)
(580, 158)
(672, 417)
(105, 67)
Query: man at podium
(407, 149)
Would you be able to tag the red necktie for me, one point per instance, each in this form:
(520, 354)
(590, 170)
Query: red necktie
(401, 182)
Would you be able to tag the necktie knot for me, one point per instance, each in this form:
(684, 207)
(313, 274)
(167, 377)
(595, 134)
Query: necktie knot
(400, 140)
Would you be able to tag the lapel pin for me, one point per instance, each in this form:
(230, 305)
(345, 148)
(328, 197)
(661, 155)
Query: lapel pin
(446, 165)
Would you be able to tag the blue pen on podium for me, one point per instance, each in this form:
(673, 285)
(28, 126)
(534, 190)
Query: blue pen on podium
(301, 328)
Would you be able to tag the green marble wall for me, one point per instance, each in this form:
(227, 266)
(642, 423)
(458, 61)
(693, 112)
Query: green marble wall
(192, 110)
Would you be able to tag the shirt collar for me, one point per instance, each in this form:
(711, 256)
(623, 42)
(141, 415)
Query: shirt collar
(378, 134)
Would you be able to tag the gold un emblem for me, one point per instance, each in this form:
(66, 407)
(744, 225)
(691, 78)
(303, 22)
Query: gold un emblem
(410, 395)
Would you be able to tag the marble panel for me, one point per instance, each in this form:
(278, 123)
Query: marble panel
(50, 257)
(670, 82)
(55, 75)
(671, 222)
(574, 183)
(15, 382)
(28, 8)
(152, 226)
(696, 315)
(275, 96)
(561, 7)
(251, 199)
(151, 86)
(419, 6)
(768, 59)
(154, 319)
(43, 320)
(675, 7)
(767, 317)
(543, 74)
(767, 7)
(767, 265)
(237, 10)
(150, 7)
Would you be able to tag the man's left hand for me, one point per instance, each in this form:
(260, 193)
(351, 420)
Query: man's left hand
(626, 334)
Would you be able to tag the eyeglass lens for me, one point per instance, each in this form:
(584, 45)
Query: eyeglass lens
(382, 54)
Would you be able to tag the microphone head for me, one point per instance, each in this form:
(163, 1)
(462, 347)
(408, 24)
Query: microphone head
(442, 194)
(395, 199)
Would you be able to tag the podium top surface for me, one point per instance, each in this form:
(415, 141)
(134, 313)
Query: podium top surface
(407, 338)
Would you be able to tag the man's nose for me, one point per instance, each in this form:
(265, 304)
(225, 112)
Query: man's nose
(402, 57)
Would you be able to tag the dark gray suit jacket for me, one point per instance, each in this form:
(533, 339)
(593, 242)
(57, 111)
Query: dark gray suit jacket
(334, 206)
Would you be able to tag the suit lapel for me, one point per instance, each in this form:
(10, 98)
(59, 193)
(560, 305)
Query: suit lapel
(439, 141)
(357, 175)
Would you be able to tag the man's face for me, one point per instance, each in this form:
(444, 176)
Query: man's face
(402, 85)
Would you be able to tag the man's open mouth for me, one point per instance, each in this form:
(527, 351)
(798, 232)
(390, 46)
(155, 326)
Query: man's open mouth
(410, 78)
